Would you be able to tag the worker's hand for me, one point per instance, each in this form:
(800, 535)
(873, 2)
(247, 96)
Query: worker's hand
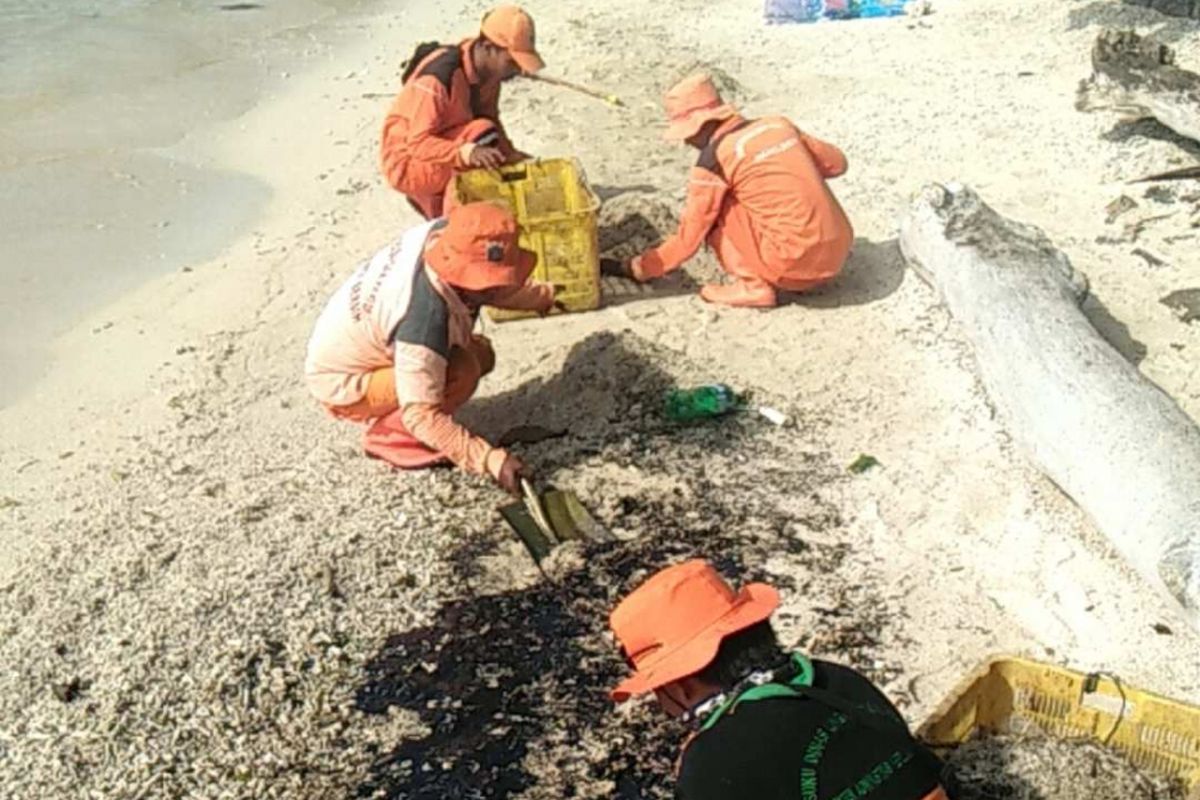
(633, 268)
(510, 473)
(486, 157)
(551, 301)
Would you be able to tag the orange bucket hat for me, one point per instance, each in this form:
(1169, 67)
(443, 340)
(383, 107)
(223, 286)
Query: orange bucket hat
(511, 27)
(477, 249)
(691, 103)
(672, 625)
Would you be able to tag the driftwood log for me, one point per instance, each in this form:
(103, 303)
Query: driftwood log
(1188, 9)
(1112, 440)
(1137, 77)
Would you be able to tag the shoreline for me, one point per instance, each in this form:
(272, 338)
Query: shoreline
(113, 122)
(118, 352)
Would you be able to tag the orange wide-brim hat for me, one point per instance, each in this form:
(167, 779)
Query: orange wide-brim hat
(477, 249)
(690, 104)
(672, 626)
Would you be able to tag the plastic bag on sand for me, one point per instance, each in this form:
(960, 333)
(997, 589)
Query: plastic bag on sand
(780, 11)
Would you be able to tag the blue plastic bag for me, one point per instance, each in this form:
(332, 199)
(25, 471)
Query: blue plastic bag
(782, 11)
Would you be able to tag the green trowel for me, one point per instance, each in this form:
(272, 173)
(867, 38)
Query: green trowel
(544, 520)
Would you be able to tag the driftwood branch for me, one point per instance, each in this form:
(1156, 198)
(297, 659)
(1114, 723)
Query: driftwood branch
(1137, 77)
(1112, 440)
(1188, 9)
(1183, 174)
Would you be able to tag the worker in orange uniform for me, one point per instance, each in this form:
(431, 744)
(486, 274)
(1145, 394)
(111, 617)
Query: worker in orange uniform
(757, 195)
(394, 346)
(766, 724)
(447, 116)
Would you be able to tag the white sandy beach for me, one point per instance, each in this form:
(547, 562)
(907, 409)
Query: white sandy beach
(173, 506)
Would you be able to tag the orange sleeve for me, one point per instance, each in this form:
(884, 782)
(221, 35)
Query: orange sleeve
(830, 160)
(530, 297)
(438, 430)
(706, 193)
(423, 101)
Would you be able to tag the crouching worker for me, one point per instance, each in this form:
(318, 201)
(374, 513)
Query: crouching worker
(447, 116)
(394, 346)
(757, 196)
(767, 724)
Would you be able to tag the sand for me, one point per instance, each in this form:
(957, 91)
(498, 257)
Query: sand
(201, 578)
(1032, 766)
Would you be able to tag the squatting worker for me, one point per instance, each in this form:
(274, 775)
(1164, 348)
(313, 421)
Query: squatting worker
(757, 195)
(767, 724)
(394, 346)
(447, 116)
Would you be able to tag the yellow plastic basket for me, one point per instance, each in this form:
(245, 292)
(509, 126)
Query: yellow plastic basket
(557, 212)
(1156, 734)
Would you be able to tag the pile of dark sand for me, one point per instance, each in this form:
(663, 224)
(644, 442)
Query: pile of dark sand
(512, 685)
(633, 222)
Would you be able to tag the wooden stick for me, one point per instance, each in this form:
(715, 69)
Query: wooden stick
(611, 99)
(1173, 175)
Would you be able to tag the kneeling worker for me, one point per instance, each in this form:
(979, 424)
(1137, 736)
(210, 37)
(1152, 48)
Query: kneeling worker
(767, 724)
(394, 346)
(447, 116)
(757, 195)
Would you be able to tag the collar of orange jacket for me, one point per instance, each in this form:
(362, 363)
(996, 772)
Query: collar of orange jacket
(468, 60)
(728, 126)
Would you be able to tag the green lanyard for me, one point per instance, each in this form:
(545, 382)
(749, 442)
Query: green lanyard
(765, 691)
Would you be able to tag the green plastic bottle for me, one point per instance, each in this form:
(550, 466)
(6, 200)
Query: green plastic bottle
(711, 400)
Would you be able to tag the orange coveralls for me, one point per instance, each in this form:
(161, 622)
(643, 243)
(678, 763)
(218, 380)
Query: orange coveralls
(441, 107)
(757, 196)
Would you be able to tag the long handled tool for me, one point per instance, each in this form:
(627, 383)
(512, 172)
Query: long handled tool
(611, 99)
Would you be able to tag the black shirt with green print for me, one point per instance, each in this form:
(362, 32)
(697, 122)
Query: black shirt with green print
(852, 744)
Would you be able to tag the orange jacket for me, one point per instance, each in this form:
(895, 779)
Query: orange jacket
(443, 94)
(778, 174)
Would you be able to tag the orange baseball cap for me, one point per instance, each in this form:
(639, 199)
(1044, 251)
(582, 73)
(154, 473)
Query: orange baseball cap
(477, 249)
(691, 103)
(672, 625)
(512, 28)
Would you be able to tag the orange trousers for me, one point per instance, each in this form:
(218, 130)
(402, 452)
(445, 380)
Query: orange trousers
(426, 185)
(386, 436)
(464, 369)
(739, 249)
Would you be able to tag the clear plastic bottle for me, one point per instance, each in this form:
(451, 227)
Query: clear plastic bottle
(711, 400)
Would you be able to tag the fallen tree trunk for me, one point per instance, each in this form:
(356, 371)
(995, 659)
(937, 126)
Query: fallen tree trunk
(1188, 9)
(1137, 77)
(1112, 440)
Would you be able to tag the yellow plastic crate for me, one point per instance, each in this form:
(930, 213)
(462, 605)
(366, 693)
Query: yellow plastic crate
(557, 212)
(1156, 734)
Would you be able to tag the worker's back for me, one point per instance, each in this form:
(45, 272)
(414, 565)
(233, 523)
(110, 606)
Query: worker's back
(800, 748)
(778, 173)
(435, 96)
(352, 336)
